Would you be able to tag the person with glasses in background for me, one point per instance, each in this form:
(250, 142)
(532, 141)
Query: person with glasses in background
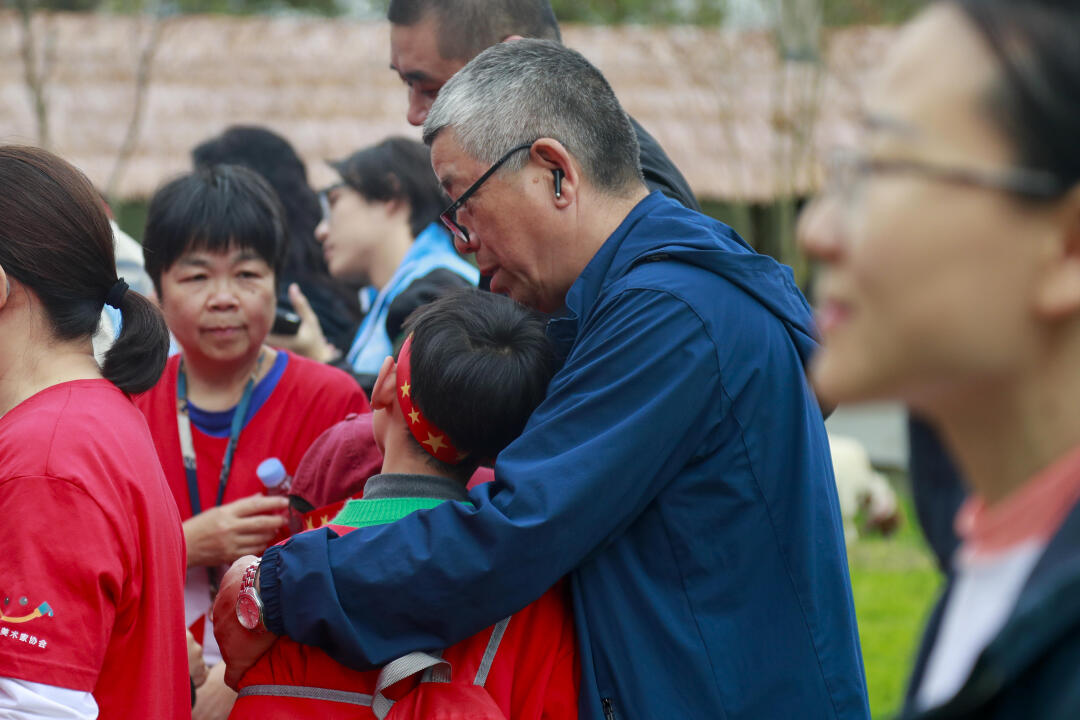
(380, 230)
(677, 470)
(950, 251)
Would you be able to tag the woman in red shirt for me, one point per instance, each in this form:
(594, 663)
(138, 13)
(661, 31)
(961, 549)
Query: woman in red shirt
(91, 584)
(214, 244)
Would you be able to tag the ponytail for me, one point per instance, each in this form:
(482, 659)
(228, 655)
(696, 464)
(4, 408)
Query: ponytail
(137, 358)
(56, 240)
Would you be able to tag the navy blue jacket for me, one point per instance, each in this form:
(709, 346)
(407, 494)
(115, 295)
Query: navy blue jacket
(678, 470)
(1031, 669)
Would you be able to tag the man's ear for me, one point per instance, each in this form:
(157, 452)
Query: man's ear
(384, 394)
(1059, 293)
(564, 180)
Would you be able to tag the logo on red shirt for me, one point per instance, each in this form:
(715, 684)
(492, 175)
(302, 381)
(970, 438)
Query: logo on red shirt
(42, 610)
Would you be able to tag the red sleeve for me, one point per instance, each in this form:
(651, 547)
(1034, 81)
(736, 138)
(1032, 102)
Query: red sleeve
(62, 575)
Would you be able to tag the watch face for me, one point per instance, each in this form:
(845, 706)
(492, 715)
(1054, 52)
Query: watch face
(248, 609)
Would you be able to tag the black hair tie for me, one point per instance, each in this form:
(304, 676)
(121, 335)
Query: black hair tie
(116, 293)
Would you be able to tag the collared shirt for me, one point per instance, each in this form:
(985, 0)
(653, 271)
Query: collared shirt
(1000, 546)
(432, 249)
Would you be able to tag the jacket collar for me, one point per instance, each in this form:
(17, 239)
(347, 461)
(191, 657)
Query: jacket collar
(606, 265)
(402, 485)
(1047, 608)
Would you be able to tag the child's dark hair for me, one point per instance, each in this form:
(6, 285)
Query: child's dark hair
(396, 169)
(213, 209)
(55, 239)
(481, 364)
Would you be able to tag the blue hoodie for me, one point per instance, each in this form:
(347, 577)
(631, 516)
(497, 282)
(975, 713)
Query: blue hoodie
(678, 470)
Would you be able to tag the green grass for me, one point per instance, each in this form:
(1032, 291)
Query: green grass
(895, 582)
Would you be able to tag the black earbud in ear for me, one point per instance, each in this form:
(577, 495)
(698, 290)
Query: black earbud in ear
(558, 182)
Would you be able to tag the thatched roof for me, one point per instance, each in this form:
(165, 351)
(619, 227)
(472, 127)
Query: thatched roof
(711, 97)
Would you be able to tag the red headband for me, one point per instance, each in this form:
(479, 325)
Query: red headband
(431, 438)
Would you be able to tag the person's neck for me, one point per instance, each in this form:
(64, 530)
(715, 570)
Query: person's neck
(215, 386)
(389, 254)
(33, 367)
(604, 216)
(402, 456)
(1003, 437)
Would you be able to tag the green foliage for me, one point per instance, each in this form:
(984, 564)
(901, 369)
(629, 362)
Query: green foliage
(648, 12)
(606, 12)
(252, 7)
(895, 583)
(870, 12)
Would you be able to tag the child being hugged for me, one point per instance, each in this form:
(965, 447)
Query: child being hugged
(473, 368)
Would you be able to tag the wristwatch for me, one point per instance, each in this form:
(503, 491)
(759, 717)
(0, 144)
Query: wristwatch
(249, 606)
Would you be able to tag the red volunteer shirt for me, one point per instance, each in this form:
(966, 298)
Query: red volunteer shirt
(308, 399)
(91, 582)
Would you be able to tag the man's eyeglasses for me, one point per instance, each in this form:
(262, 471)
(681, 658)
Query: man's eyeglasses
(324, 199)
(847, 168)
(449, 215)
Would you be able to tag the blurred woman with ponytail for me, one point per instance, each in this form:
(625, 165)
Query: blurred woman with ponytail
(91, 584)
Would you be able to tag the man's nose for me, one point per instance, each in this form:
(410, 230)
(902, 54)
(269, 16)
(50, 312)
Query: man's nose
(419, 105)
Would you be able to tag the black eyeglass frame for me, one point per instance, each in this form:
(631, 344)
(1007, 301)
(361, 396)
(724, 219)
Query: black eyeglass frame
(449, 215)
(324, 198)
(1025, 182)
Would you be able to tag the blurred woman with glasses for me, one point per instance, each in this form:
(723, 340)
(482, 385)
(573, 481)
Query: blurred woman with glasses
(381, 231)
(950, 246)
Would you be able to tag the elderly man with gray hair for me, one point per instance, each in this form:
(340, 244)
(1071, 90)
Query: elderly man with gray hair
(678, 469)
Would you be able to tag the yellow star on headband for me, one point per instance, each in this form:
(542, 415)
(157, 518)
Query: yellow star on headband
(310, 524)
(435, 442)
(325, 520)
(414, 416)
(405, 390)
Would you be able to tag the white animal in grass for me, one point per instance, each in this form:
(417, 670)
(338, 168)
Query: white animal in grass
(862, 489)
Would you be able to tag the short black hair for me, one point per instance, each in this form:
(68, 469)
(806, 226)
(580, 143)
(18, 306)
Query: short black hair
(480, 365)
(214, 209)
(396, 169)
(275, 160)
(468, 27)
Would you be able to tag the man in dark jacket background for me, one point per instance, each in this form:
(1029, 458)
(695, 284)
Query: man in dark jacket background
(678, 469)
(430, 40)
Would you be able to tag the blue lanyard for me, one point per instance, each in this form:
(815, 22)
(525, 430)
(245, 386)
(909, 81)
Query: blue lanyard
(187, 447)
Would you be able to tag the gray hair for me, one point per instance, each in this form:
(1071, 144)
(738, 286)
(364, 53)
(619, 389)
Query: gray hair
(517, 92)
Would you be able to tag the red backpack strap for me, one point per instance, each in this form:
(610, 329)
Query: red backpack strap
(435, 669)
(405, 667)
(307, 693)
(486, 662)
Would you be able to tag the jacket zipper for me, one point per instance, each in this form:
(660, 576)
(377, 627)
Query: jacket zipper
(609, 708)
